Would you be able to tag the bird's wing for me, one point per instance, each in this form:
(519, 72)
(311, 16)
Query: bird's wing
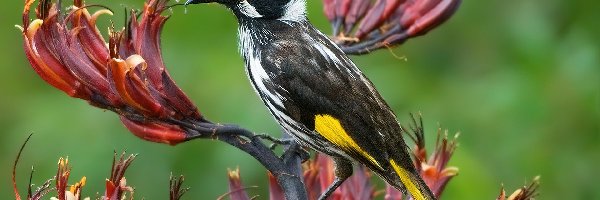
(324, 91)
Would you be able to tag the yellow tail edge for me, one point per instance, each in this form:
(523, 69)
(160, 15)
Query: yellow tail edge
(409, 183)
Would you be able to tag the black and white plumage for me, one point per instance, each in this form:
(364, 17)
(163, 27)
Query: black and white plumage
(318, 95)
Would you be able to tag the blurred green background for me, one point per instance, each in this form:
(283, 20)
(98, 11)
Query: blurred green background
(519, 79)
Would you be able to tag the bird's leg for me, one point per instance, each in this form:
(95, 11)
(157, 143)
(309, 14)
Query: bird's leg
(343, 170)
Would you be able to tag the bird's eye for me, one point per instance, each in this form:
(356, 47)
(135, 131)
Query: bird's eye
(270, 8)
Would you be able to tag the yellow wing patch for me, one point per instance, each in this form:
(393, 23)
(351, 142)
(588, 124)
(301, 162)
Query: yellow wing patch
(407, 181)
(330, 128)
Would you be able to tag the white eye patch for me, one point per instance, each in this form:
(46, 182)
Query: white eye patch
(248, 10)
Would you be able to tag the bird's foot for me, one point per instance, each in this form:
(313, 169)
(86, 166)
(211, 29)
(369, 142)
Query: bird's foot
(295, 148)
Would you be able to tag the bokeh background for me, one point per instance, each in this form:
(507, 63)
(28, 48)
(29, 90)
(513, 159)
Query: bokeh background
(519, 79)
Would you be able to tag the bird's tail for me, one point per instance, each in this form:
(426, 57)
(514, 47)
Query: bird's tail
(405, 176)
(410, 180)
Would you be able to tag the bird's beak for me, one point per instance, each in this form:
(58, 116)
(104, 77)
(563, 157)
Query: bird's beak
(224, 2)
(188, 2)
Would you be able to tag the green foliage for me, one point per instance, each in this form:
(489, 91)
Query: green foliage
(520, 81)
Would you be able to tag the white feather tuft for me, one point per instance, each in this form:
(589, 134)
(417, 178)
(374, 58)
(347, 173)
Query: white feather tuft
(248, 10)
(295, 10)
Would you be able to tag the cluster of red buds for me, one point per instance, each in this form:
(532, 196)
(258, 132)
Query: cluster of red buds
(434, 169)
(116, 187)
(126, 76)
(362, 26)
(526, 192)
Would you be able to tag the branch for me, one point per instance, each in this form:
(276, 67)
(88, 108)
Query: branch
(286, 168)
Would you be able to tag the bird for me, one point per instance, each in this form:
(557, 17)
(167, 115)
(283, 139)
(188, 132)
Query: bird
(319, 96)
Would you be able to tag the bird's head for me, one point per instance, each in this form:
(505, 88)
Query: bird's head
(292, 10)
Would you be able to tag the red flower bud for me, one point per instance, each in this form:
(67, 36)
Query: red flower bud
(155, 132)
